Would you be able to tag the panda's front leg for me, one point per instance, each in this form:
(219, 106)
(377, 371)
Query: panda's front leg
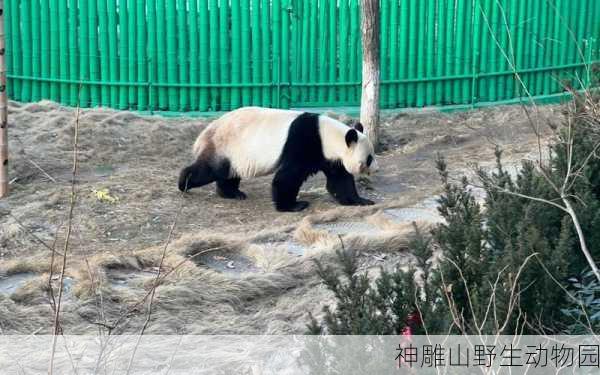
(285, 188)
(340, 184)
(230, 189)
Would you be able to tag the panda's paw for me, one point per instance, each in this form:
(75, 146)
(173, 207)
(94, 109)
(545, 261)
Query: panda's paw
(301, 205)
(297, 207)
(364, 202)
(240, 195)
(231, 194)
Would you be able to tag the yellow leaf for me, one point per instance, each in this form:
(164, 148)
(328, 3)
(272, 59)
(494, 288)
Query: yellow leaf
(103, 195)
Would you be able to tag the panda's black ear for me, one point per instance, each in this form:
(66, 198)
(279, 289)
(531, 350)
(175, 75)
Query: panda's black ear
(351, 137)
(358, 126)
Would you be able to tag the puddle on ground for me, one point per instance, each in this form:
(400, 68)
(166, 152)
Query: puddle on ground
(10, 284)
(402, 215)
(127, 279)
(227, 262)
(292, 248)
(391, 185)
(427, 209)
(348, 227)
(430, 203)
(103, 170)
(68, 283)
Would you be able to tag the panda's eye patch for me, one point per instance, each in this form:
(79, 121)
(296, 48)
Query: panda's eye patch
(369, 160)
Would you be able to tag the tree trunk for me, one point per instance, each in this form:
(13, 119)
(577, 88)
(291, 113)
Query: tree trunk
(3, 111)
(369, 103)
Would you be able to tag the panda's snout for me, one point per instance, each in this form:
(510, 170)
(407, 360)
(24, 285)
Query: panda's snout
(363, 169)
(184, 179)
(374, 167)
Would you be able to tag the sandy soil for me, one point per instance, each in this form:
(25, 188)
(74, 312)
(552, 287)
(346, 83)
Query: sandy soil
(261, 278)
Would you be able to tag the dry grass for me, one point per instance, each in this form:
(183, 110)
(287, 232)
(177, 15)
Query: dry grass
(137, 159)
(26, 265)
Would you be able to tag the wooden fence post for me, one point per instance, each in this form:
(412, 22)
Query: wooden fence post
(3, 111)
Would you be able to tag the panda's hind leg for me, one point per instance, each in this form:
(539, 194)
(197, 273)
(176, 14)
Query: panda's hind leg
(230, 189)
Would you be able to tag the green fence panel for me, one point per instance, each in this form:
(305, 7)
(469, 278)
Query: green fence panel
(8, 21)
(74, 54)
(215, 55)
(63, 50)
(463, 49)
(450, 52)
(355, 58)
(224, 55)
(344, 41)
(214, 51)
(132, 56)
(26, 40)
(171, 51)
(385, 43)
(104, 52)
(161, 56)
(304, 51)
(142, 54)
(182, 54)
(512, 23)
(313, 55)
(54, 50)
(194, 53)
(265, 62)
(26, 43)
(245, 57)
(36, 40)
(402, 46)
(113, 48)
(236, 52)
(94, 53)
(151, 54)
(274, 64)
(84, 56)
(123, 53)
(256, 53)
(285, 69)
(13, 32)
(204, 56)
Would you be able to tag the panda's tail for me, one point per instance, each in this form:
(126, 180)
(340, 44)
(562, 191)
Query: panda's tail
(194, 175)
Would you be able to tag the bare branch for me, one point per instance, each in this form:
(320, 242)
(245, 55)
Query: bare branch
(57, 330)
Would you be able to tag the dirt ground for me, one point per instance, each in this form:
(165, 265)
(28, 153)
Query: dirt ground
(261, 276)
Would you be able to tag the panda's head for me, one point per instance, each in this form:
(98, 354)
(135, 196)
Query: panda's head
(359, 158)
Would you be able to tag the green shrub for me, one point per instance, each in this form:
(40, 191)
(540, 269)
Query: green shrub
(585, 307)
(501, 261)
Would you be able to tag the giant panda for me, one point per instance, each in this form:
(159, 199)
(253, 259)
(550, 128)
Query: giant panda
(253, 141)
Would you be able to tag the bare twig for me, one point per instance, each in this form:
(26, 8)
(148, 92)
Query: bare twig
(41, 170)
(111, 327)
(34, 236)
(96, 291)
(57, 330)
(52, 298)
(582, 243)
(156, 281)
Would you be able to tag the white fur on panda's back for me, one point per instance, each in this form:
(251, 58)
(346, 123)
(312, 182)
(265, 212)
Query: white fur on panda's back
(251, 138)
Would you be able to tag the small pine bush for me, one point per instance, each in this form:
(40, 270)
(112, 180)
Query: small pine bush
(504, 265)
